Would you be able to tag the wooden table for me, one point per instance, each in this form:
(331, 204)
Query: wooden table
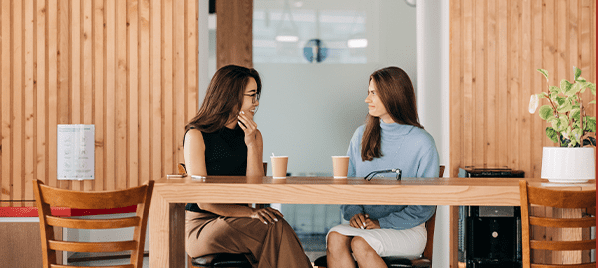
(167, 212)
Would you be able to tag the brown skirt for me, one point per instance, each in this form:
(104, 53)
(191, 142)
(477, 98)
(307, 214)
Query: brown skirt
(271, 245)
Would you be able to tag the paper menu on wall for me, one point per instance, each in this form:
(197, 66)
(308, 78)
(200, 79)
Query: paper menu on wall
(75, 152)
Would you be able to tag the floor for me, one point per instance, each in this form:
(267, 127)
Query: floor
(314, 246)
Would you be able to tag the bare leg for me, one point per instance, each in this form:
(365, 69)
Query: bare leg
(338, 251)
(365, 255)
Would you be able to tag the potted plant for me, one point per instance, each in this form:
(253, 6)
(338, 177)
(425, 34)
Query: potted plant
(570, 127)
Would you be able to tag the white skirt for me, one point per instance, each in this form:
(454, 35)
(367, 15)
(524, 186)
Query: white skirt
(409, 243)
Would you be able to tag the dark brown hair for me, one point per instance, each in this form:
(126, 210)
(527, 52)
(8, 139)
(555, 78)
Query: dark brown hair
(224, 97)
(395, 90)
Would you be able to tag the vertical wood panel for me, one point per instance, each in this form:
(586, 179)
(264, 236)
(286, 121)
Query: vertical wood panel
(29, 99)
(110, 87)
(144, 91)
(478, 83)
(128, 67)
(133, 99)
(99, 91)
(156, 90)
(179, 118)
(41, 100)
(52, 95)
(87, 74)
(63, 103)
(167, 82)
(468, 68)
(513, 85)
(17, 101)
(456, 113)
(490, 100)
(525, 139)
(6, 78)
(121, 97)
(502, 159)
(75, 72)
(537, 83)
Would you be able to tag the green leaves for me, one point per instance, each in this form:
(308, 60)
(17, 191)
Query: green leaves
(545, 112)
(590, 123)
(566, 87)
(554, 89)
(545, 73)
(565, 109)
(575, 114)
(552, 134)
(577, 72)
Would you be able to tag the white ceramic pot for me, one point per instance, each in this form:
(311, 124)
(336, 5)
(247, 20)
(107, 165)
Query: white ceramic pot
(568, 165)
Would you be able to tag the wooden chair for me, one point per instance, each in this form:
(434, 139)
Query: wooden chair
(395, 261)
(46, 197)
(558, 199)
(223, 259)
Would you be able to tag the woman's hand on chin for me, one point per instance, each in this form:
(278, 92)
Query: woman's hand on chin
(249, 127)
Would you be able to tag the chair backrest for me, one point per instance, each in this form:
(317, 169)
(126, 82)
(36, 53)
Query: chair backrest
(430, 225)
(47, 197)
(558, 199)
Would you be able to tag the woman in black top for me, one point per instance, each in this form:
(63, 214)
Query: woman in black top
(223, 139)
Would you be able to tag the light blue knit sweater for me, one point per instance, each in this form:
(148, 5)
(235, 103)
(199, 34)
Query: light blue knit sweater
(409, 148)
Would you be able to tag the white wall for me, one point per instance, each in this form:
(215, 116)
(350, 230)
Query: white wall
(310, 111)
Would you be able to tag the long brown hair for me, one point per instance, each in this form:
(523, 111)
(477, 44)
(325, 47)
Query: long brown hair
(224, 97)
(395, 90)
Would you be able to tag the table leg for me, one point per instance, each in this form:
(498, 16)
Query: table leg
(454, 236)
(167, 233)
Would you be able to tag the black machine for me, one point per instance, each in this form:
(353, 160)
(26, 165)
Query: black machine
(490, 236)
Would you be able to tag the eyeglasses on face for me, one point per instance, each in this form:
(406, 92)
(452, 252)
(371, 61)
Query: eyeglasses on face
(253, 96)
(374, 173)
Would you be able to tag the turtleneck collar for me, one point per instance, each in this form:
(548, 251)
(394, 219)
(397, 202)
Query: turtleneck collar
(394, 129)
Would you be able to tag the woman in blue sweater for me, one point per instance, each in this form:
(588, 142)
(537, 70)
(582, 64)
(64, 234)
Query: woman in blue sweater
(391, 138)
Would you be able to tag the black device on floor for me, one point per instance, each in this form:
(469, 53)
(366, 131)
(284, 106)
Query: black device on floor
(490, 236)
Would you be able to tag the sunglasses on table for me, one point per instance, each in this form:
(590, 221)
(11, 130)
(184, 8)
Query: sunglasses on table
(374, 173)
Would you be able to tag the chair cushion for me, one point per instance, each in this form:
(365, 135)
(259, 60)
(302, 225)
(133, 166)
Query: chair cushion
(222, 260)
(391, 262)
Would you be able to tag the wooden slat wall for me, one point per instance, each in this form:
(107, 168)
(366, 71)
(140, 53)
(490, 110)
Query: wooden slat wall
(128, 67)
(495, 48)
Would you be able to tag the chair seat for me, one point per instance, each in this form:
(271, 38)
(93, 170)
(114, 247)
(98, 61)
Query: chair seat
(222, 260)
(391, 262)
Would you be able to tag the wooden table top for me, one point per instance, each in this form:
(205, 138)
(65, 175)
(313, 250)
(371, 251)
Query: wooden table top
(327, 190)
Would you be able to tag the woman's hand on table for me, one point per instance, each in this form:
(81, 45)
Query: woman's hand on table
(266, 215)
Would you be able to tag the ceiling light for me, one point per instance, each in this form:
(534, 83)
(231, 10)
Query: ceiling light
(357, 43)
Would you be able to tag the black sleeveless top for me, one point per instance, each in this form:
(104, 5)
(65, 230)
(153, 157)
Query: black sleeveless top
(226, 154)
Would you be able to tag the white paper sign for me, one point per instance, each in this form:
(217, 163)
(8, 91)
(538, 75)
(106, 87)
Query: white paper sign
(76, 151)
